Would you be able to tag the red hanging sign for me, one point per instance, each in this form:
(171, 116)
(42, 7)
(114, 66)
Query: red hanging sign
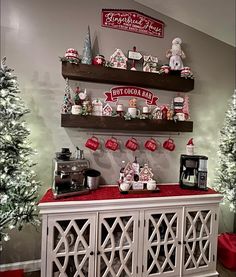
(117, 92)
(132, 21)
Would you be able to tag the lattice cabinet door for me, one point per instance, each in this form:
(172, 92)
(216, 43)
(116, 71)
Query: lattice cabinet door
(71, 247)
(117, 244)
(199, 241)
(161, 251)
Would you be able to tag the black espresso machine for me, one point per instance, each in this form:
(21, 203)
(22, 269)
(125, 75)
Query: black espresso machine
(193, 172)
(68, 174)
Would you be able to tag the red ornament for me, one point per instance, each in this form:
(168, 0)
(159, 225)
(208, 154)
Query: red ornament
(99, 60)
(72, 53)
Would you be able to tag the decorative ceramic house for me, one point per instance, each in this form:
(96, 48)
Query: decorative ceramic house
(145, 174)
(97, 107)
(150, 63)
(107, 110)
(118, 59)
(156, 113)
(164, 111)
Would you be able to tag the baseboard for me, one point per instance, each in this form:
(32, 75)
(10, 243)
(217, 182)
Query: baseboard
(27, 266)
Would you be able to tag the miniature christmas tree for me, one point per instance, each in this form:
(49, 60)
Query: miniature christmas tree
(87, 51)
(18, 188)
(67, 101)
(226, 172)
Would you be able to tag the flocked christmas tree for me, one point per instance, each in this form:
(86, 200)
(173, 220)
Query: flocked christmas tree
(87, 50)
(226, 171)
(18, 187)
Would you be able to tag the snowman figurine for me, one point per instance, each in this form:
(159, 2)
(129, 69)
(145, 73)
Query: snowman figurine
(176, 55)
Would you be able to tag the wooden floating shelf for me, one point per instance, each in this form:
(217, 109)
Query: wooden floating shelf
(120, 124)
(107, 75)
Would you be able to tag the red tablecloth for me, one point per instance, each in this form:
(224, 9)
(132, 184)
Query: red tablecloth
(12, 273)
(112, 192)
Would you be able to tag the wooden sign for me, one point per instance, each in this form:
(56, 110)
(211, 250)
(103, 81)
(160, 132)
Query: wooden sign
(132, 21)
(134, 55)
(127, 91)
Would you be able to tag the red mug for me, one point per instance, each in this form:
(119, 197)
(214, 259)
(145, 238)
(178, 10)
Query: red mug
(131, 144)
(112, 144)
(92, 143)
(169, 144)
(151, 145)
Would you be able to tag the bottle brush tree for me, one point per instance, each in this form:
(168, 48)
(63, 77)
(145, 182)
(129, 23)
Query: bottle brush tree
(226, 171)
(18, 187)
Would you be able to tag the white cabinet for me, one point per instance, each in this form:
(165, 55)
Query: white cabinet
(199, 239)
(130, 237)
(71, 245)
(161, 251)
(118, 238)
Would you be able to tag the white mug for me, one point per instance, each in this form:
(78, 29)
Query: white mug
(180, 116)
(146, 110)
(70, 239)
(134, 112)
(119, 108)
(76, 109)
(151, 185)
(189, 149)
(125, 186)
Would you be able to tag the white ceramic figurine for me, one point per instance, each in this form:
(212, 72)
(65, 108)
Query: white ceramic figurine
(176, 55)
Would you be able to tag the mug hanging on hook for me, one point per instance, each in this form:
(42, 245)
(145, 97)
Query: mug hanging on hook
(151, 144)
(169, 144)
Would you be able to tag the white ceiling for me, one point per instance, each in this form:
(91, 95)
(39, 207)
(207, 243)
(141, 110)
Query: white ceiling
(213, 17)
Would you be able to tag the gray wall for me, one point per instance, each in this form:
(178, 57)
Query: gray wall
(35, 33)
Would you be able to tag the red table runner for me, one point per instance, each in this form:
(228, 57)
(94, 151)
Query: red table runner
(112, 192)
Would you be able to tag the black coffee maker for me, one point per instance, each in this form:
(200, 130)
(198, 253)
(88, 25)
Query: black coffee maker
(193, 172)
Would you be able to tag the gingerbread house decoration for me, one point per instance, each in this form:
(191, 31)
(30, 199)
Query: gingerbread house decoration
(129, 169)
(156, 113)
(150, 64)
(107, 110)
(118, 59)
(145, 174)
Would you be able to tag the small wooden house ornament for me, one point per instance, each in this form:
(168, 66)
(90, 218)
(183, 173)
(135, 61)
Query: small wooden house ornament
(97, 107)
(118, 59)
(107, 110)
(145, 174)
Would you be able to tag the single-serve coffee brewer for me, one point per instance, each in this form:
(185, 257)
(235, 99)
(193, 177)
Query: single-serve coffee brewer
(193, 172)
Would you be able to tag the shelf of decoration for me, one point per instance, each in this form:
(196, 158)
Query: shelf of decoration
(102, 74)
(119, 123)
